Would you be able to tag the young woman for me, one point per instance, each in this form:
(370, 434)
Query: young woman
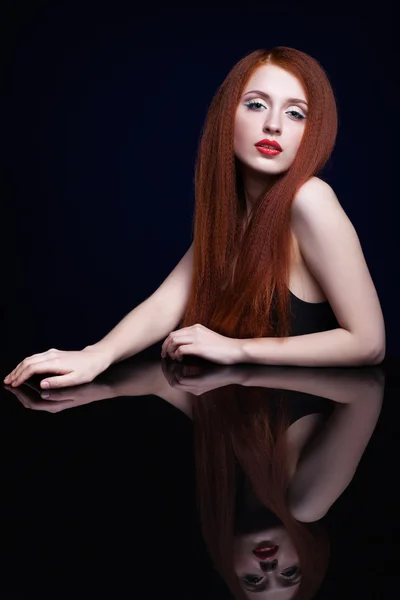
(275, 274)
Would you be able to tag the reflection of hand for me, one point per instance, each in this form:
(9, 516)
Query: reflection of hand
(191, 378)
(57, 400)
(200, 341)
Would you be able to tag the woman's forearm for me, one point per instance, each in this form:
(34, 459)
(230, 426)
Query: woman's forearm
(145, 325)
(336, 348)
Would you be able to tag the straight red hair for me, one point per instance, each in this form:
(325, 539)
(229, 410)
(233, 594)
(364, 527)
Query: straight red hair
(241, 278)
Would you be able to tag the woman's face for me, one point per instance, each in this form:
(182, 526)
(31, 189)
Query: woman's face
(274, 574)
(272, 106)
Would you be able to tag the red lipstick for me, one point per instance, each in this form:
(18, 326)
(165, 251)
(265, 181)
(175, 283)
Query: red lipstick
(272, 143)
(265, 551)
(269, 147)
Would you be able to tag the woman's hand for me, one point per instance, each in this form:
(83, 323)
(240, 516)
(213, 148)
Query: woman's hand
(200, 341)
(75, 368)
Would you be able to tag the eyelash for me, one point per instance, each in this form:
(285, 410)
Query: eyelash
(253, 584)
(253, 102)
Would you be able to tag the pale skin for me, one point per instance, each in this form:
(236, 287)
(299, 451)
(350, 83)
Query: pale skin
(328, 263)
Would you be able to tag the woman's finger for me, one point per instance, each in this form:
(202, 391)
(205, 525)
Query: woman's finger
(27, 361)
(8, 378)
(40, 366)
(61, 381)
(183, 350)
(174, 344)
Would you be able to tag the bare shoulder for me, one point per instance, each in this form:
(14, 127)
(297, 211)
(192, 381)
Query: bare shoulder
(315, 195)
(332, 251)
(316, 210)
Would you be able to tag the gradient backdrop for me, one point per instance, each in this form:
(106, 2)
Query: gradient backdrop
(103, 113)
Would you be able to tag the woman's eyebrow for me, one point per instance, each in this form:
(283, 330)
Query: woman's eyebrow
(296, 100)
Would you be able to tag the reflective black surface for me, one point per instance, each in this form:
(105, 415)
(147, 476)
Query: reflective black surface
(160, 478)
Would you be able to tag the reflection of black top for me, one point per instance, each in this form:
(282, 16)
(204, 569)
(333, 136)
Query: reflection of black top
(307, 317)
(299, 405)
(250, 514)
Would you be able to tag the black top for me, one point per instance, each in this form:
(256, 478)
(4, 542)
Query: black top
(311, 317)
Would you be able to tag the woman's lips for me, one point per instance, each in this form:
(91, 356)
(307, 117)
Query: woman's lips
(264, 551)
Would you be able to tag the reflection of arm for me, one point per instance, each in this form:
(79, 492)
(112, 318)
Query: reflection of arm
(328, 465)
(150, 380)
(339, 385)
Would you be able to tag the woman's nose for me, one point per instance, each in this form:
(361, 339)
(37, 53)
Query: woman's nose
(269, 566)
(271, 128)
(272, 124)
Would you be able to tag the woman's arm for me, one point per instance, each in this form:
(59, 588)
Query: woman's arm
(336, 347)
(153, 319)
(332, 252)
(328, 465)
(121, 380)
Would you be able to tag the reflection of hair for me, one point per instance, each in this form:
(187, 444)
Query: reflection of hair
(245, 426)
(261, 257)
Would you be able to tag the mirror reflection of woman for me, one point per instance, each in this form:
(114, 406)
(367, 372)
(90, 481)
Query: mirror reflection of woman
(270, 464)
(250, 528)
(274, 449)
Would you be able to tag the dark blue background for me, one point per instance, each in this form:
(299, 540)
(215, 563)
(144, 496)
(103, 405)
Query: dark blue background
(103, 114)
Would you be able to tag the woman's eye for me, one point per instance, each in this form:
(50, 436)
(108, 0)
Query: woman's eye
(253, 103)
(252, 579)
(290, 573)
(296, 114)
(299, 116)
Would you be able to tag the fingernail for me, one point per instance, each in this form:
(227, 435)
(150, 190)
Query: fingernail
(45, 384)
(45, 395)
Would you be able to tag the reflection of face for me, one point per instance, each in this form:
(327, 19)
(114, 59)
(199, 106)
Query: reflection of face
(275, 118)
(276, 577)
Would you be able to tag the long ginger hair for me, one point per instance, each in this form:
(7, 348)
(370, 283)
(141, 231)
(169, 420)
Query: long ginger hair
(241, 430)
(240, 277)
